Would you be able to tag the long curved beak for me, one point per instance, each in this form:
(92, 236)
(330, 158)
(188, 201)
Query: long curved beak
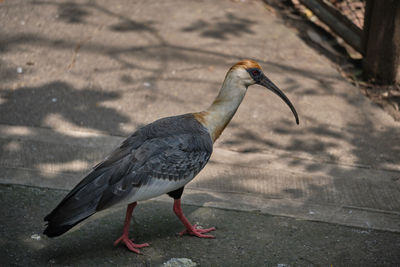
(271, 86)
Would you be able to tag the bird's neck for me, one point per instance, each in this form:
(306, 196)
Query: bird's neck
(221, 111)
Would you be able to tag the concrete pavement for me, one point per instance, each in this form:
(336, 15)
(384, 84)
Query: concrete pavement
(91, 72)
(242, 238)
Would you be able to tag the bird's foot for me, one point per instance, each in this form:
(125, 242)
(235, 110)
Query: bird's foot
(129, 244)
(193, 230)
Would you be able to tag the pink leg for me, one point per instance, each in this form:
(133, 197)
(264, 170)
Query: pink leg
(190, 229)
(125, 238)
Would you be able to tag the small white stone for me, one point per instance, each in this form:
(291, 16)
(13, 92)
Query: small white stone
(179, 262)
(20, 70)
(35, 236)
(54, 99)
(146, 84)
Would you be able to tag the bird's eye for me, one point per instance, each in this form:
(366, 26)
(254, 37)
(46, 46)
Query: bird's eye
(255, 72)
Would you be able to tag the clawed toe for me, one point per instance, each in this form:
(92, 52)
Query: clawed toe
(130, 245)
(198, 232)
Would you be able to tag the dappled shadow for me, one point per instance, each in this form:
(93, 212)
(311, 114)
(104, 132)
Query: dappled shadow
(313, 35)
(72, 13)
(7, 73)
(364, 143)
(355, 165)
(130, 25)
(81, 107)
(62, 108)
(222, 28)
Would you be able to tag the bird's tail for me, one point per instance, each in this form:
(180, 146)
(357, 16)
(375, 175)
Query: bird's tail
(54, 229)
(78, 205)
(66, 215)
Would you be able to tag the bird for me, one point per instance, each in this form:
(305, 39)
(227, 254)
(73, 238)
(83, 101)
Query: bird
(159, 158)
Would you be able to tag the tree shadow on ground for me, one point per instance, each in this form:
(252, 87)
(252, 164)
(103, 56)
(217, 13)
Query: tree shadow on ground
(130, 25)
(7, 73)
(72, 13)
(59, 100)
(222, 28)
(62, 108)
(313, 35)
(354, 166)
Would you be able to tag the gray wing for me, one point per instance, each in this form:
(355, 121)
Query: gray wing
(158, 158)
(157, 167)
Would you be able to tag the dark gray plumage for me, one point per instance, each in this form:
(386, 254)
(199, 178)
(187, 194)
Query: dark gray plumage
(158, 158)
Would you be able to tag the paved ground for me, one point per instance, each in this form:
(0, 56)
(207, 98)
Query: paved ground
(242, 238)
(77, 77)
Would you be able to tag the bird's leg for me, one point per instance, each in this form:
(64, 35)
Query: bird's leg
(190, 229)
(125, 238)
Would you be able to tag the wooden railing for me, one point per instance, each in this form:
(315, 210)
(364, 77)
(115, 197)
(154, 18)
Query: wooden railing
(378, 41)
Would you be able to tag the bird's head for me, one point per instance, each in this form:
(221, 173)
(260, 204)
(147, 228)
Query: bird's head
(249, 72)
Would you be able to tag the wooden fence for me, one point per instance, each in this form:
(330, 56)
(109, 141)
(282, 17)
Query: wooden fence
(378, 40)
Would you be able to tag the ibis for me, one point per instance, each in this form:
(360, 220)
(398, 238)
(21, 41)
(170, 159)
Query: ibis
(159, 158)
